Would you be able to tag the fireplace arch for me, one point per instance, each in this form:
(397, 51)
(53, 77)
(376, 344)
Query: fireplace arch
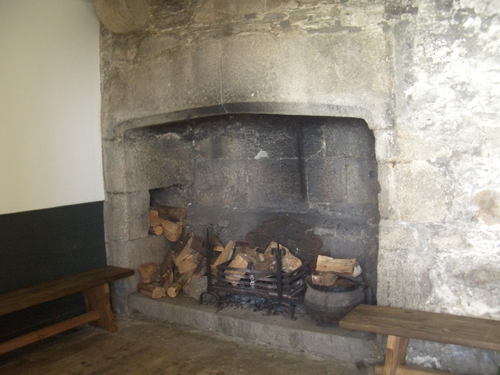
(235, 171)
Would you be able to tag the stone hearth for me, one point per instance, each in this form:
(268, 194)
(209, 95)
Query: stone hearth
(301, 335)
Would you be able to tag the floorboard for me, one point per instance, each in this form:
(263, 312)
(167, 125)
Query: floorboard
(144, 347)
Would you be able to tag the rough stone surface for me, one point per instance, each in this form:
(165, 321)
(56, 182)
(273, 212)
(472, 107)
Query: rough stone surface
(420, 192)
(190, 79)
(114, 166)
(131, 254)
(127, 215)
(327, 180)
(149, 165)
(253, 77)
(220, 183)
(423, 74)
(280, 331)
(122, 16)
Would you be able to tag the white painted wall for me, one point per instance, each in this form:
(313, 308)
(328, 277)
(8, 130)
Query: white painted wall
(50, 143)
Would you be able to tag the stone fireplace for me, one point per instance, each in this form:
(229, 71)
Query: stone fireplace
(234, 172)
(225, 85)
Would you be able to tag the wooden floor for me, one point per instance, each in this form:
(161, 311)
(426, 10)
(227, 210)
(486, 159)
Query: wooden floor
(142, 347)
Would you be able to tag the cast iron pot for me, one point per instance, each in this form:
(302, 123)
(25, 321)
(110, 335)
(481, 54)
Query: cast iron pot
(327, 305)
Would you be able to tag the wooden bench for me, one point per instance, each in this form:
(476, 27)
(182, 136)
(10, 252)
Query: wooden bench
(401, 325)
(95, 288)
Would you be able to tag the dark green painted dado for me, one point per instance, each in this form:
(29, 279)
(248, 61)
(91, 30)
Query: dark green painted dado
(42, 245)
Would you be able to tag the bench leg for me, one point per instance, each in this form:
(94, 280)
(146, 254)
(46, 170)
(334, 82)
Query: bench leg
(395, 354)
(97, 299)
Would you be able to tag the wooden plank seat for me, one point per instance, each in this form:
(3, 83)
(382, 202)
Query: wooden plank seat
(93, 284)
(401, 325)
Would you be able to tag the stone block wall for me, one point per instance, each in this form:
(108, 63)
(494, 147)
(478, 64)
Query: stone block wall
(423, 74)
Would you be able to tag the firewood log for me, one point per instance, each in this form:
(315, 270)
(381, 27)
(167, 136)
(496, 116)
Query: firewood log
(149, 272)
(172, 230)
(217, 245)
(198, 245)
(186, 249)
(188, 259)
(266, 265)
(324, 279)
(151, 290)
(167, 269)
(190, 262)
(345, 267)
(289, 262)
(198, 273)
(154, 218)
(243, 248)
(241, 261)
(170, 213)
(269, 253)
(158, 231)
(224, 256)
(174, 289)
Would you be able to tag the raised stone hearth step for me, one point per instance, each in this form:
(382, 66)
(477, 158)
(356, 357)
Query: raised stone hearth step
(280, 331)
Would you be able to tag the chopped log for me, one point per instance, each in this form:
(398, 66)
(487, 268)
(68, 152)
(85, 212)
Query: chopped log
(188, 259)
(186, 249)
(149, 272)
(170, 213)
(154, 218)
(167, 280)
(158, 231)
(338, 266)
(346, 267)
(198, 245)
(189, 263)
(241, 261)
(224, 256)
(266, 265)
(174, 289)
(172, 230)
(217, 245)
(151, 290)
(297, 237)
(324, 279)
(167, 269)
(243, 248)
(289, 262)
(201, 268)
(198, 273)
(167, 265)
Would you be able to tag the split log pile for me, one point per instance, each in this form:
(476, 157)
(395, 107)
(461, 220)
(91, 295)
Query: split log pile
(184, 268)
(185, 264)
(328, 270)
(166, 220)
(248, 258)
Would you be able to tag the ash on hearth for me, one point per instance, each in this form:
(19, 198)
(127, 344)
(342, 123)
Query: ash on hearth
(256, 304)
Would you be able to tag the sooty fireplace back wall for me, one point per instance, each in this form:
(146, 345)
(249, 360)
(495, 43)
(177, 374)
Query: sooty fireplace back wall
(236, 171)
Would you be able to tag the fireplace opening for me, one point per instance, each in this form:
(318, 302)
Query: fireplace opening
(235, 172)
